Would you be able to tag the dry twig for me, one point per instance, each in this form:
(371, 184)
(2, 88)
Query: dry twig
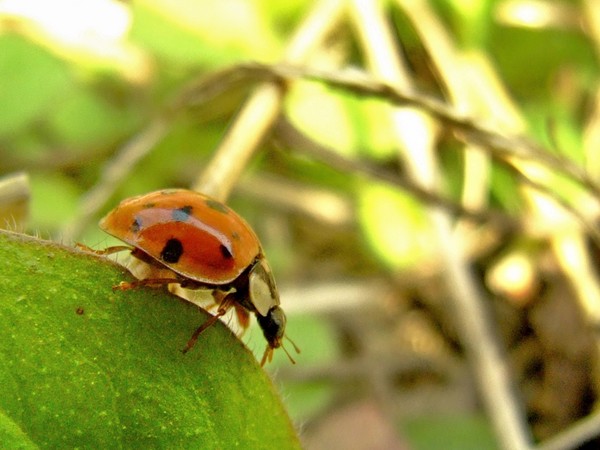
(476, 328)
(261, 111)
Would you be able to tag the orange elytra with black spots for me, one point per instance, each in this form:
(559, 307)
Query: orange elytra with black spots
(194, 235)
(206, 245)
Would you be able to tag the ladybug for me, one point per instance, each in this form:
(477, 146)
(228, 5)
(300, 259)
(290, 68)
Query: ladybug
(199, 243)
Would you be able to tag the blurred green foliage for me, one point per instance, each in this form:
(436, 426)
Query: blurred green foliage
(451, 433)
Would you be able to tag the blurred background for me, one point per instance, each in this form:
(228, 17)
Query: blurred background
(425, 185)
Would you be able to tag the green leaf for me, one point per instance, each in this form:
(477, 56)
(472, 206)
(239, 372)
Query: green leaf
(83, 366)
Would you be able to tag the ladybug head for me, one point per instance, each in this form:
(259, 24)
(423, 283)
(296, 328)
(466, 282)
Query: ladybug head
(265, 300)
(273, 326)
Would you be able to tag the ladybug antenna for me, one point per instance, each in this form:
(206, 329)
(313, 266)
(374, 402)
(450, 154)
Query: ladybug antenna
(296, 348)
(268, 355)
(288, 354)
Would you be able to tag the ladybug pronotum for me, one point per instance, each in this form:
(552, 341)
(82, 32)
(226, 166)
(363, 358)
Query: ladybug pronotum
(203, 244)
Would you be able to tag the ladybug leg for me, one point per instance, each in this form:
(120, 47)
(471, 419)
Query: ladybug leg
(243, 316)
(105, 251)
(152, 282)
(224, 305)
(268, 356)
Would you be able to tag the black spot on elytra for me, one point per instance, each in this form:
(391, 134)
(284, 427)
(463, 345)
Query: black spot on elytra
(235, 236)
(217, 206)
(225, 252)
(182, 214)
(172, 251)
(136, 225)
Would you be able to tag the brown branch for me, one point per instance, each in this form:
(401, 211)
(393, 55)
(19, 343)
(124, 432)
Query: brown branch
(471, 316)
(261, 111)
(288, 135)
(576, 435)
(473, 131)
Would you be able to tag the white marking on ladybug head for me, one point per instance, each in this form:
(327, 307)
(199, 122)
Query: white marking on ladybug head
(263, 292)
